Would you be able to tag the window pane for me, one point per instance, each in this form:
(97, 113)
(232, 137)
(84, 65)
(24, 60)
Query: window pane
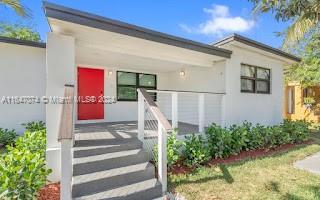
(291, 100)
(247, 85)
(247, 71)
(127, 93)
(263, 73)
(125, 78)
(147, 80)
(262, 86)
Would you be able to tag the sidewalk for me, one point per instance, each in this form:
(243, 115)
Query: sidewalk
(311, 164)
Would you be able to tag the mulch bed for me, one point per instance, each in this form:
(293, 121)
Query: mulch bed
(50, 192)
(179, 168)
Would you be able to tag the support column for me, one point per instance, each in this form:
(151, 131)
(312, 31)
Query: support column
(140, 117)
(201, 113)
(60, 71)
(174, 101)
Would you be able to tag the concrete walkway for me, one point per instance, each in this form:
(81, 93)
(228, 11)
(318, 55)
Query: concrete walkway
(311, 164)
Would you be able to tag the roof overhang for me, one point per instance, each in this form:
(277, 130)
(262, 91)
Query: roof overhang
(257, 45)
(94, 21)
(22, 42)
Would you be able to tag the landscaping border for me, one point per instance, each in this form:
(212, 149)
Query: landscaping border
(179, 168)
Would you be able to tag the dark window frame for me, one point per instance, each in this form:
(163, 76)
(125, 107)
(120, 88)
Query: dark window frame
(255, 79)
(136, 86)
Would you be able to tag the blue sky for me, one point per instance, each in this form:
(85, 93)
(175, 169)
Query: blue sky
(200, 20)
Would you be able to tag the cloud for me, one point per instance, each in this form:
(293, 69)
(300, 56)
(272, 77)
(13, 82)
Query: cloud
(220, 22)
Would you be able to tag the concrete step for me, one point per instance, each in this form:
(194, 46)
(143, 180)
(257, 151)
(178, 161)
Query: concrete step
(99, 142)
(105, 180)
(144, 190)
(85, 151)
(96, 163)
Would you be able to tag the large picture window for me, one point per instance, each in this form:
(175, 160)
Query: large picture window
(129, 82)
(255, 79)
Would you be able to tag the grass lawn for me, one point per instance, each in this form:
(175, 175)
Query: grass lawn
(270, 177)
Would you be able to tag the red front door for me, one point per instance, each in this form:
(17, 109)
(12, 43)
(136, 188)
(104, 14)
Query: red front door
(90, 91)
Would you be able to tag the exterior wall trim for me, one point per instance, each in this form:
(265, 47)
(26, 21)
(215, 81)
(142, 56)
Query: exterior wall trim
(22, 42)
(95, 21)
(255, 44)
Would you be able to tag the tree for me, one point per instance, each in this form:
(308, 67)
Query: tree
(304, 14)
(307, 72)
(17, 7)
(19, 32)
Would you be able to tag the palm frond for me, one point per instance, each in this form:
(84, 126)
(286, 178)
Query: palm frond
(298, 30)
(17, 7)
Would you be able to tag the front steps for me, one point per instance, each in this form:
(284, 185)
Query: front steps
(113, 169)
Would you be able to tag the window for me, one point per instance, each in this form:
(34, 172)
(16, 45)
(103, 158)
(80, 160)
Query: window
(255, 79)
(291, 100)
(307, 92)
(129, 82)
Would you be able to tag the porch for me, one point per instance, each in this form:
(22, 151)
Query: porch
(122, 130)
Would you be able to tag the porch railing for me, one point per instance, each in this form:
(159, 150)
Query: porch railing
(162, 111)
(153, 124)
(188, 111)
(66, 138)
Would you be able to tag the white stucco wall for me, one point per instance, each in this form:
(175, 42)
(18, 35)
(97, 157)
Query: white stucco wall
(197, 79)
(256, 108)
(22, 73)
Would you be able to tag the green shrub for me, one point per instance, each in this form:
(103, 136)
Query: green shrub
(35, 142)
(7, 137)
(22, 174)
(255, 138)
(34, 126)
(219, 141)
(239, 135)
(298, 130)
(196, 150)
(173, 150)
(223, 142)
(274, 136)
(22, 168)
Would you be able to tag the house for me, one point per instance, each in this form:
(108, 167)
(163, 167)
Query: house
(302, 103)
(99, 145)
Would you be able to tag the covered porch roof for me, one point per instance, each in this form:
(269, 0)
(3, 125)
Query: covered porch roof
(102, 41)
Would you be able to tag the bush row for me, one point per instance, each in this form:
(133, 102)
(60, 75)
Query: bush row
(22, 168)
(8, 137)
(221, 142)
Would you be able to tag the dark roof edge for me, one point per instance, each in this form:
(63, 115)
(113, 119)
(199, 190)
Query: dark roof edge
(22, 42)
(256, 44)
(95, 21)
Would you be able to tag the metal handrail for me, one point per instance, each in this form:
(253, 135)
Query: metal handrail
(155, 110)
(185, 91)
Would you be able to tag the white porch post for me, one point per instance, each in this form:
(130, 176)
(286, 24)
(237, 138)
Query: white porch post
(201, 113)
(140, 117)
(174, 114)
(66, 169)
(162, 157)
(60, 71)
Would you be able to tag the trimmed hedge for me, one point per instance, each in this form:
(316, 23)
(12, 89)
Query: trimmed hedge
(222, 142)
